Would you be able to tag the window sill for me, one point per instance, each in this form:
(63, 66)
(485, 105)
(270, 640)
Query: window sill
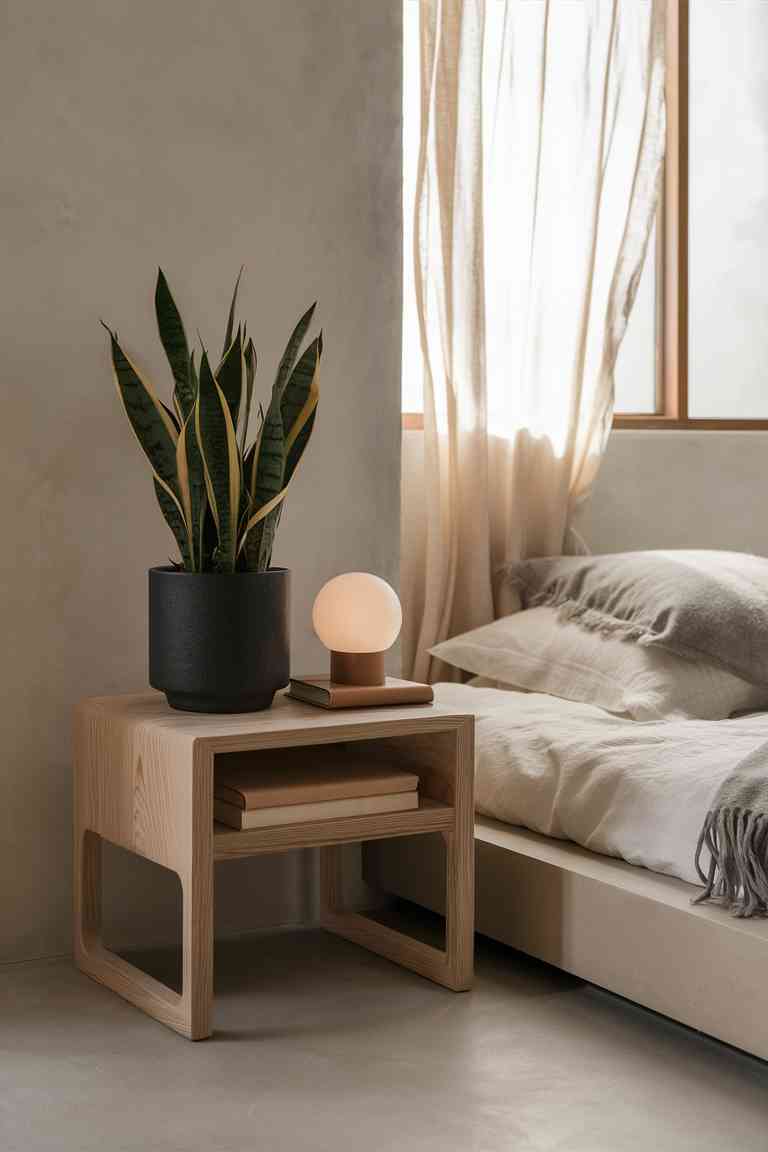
(414, 422)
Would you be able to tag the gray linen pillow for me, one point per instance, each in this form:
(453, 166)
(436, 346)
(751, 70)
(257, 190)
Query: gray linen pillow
(701, 605)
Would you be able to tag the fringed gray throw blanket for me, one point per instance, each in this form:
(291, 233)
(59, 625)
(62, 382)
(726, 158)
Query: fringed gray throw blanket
(735, 834)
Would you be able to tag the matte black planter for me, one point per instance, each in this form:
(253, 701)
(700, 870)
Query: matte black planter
(219, 643)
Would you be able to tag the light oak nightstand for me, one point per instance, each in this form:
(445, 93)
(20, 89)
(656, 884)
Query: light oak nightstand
(144, 780)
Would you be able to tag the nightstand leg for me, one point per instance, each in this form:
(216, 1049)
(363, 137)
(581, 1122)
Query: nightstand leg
(166, 800)
(98, 962)
(452, 967)
(459, 910)
(198, 953)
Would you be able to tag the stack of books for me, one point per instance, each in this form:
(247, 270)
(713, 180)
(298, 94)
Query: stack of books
(252, 792)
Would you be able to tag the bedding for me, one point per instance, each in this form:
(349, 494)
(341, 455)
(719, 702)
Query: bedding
(537, 652)
(698, 604)
(639, 791)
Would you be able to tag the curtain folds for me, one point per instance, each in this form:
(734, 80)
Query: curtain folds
(542, 138)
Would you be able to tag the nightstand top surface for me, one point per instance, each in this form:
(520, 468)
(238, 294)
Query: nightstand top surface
(286, 718)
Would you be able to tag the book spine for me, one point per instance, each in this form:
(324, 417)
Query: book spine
(305, 813)
(315, 793)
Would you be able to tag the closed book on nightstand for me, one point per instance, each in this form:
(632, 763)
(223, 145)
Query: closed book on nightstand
(282, 779)
(326, 693)
(245, 818)
(260, 793)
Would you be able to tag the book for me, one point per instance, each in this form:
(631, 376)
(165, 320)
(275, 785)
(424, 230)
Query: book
(323, 692)
(250, 782)
(245, 818)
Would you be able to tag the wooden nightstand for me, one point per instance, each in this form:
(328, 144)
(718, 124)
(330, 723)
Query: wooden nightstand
(144, 780)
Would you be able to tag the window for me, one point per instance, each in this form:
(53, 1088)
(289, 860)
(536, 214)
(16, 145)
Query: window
(695, 354)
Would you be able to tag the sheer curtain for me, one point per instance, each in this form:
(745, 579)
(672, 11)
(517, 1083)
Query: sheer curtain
(542, 138)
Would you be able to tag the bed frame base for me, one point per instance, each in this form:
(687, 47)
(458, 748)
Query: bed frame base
(621, 927)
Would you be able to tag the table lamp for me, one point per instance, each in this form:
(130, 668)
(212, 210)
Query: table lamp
(358, 617)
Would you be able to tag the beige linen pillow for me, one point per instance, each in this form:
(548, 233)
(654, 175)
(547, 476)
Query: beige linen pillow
(535, 651)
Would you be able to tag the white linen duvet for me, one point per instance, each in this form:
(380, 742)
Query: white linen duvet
(639, 791)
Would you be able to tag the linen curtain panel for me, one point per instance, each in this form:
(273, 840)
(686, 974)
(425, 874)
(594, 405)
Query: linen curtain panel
(542, 138)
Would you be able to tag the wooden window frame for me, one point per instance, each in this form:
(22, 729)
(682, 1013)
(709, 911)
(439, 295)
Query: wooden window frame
(671, 259)
(672, 254)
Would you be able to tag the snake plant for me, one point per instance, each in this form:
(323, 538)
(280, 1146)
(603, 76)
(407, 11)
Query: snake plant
(221, 496)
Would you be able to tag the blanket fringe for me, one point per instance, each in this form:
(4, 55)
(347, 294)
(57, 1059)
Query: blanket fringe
(737, 876)
(591, 618)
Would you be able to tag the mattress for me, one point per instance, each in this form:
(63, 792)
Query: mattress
(638, 791)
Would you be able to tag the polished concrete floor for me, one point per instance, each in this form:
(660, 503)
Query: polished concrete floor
(322, 1046)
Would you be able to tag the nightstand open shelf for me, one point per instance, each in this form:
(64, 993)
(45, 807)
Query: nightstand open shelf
(430, 816)
(144, 780)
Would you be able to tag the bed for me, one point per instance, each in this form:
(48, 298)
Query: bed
(590, 824)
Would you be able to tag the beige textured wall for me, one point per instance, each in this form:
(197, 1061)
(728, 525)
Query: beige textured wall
(198, 135)
(680, 490)
(654, 490)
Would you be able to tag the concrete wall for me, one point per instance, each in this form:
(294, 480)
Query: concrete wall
(680, 490)
(199, 136)
(654, 490)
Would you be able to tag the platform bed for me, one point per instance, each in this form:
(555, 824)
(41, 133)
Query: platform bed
(621, 927)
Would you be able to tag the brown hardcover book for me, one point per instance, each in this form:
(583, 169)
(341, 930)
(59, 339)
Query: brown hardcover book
(322, 691)
(244, 818)
(248, 783)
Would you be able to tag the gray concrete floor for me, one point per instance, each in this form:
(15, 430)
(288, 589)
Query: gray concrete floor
(322, 1046)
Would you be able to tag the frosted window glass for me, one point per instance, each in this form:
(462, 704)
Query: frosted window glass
(728, 209)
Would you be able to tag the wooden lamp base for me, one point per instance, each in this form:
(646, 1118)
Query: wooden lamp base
(359, 668)
(357, 680)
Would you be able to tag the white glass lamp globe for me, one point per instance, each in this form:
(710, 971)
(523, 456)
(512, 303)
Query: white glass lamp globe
(358, 617)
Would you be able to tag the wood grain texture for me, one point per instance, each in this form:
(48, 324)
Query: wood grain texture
(430, 816)
(150, 790)
(287, 723)
(144, 779)
(621, 927)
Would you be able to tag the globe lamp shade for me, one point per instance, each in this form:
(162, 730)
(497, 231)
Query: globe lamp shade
(357, 616)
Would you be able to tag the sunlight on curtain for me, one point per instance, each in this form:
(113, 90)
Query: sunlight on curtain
(555, 207)
(542, 135)
(636, 364)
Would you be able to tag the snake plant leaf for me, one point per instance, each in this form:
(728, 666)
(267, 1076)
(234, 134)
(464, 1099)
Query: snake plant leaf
(299, 403)
(197, 492)
(152, 423)
(229, 375)
(169, 506)
(270, 470)
(292, 350)
(172, 416)
(208, 538)
(221, 464)
(271, 458)
(268, 533)
(180, 418)
(250, 459)
(192, 491)
(250, 374)
(193, 374)
(174, 341)
(299, 406)
(250, 540)
(182, 480)
(231, 318)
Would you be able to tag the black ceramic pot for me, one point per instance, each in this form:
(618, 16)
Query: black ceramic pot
(219, 643)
